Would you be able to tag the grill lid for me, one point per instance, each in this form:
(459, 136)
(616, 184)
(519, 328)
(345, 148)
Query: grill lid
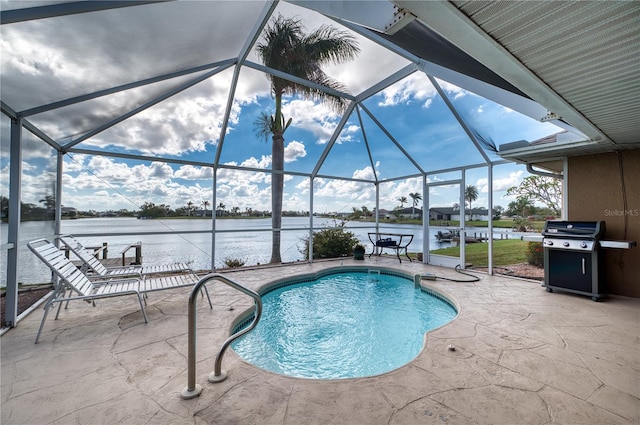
(591, 230)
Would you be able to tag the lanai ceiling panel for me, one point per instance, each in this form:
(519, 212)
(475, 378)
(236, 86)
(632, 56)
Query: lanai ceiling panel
(68, 123)
(350, 148)
(387, 149)
(311, 130)
(416, 116)
(492, 124)
(186, 125)
(53, 59)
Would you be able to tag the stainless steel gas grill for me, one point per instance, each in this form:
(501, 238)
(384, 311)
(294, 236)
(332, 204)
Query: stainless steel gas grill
(571, 257)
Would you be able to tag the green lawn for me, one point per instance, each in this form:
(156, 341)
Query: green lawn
(504, 224)
(505, 252)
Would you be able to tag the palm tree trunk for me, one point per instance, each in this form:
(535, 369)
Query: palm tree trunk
(277, 190)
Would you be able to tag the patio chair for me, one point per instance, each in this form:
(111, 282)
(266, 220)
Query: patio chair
(94, 268)
(69, 277)
(80, 287)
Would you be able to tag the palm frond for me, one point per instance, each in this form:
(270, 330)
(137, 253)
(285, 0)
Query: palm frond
(328, 45)
(286, 48)
(262, 126)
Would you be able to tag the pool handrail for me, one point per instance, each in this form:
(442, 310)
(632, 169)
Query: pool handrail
(218, 375)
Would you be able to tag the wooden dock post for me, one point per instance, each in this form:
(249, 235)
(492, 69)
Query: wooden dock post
(138, 255)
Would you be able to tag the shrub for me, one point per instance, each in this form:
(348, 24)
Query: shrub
(233, 262)
(535, 254)
(331, 243)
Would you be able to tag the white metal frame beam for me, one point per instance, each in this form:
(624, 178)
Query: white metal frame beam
(13, 234)
(298, 80)
(66, 8)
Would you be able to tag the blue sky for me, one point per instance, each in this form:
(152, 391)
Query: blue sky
(188, 125)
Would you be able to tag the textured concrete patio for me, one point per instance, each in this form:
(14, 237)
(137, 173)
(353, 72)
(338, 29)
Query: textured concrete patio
(523, 356)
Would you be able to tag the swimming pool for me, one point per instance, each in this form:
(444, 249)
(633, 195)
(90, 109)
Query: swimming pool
(343, 325)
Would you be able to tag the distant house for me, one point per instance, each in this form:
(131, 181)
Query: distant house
(409, 212)
(69, 212)
(443, 213)
(451, 214)
(202, 213)
(382, 213)
(481, 214)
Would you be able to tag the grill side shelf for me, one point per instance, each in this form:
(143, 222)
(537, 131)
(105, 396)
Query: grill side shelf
(617, 244)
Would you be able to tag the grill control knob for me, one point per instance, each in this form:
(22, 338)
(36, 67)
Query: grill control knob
(565, 244)
(549, 243)
(583, 245)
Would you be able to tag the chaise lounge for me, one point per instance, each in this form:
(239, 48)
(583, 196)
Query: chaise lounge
(73, 280)
(94, 268)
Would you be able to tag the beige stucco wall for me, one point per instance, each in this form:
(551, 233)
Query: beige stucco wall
(595, 192)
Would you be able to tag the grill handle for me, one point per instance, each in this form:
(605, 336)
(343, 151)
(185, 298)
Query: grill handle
(584, 269)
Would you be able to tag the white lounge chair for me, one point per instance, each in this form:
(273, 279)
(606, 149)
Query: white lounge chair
(74, 280)
(92, 266)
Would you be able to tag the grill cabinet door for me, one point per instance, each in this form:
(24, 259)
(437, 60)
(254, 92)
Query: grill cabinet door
(571, 270)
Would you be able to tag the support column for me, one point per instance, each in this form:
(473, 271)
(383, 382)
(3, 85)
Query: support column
(310, 259)
(426, 216)
(58, 193)
(213, 219)
(490, 235)
(15, 196)
(377, 207)
(463, 228)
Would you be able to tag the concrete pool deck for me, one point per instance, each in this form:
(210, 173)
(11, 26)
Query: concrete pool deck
(523, 356)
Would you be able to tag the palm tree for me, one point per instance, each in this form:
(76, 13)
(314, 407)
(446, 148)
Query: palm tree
(285, 47)
(49, 202)
(402, 200)
(189, 208)
(416, 197)
(470, 195)
(206, 204)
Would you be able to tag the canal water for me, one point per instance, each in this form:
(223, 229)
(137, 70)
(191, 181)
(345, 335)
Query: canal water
(250, 241)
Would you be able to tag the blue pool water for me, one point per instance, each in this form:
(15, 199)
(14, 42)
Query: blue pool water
(344, 325)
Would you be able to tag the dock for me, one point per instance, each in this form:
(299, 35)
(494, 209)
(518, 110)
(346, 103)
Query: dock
(101, 252)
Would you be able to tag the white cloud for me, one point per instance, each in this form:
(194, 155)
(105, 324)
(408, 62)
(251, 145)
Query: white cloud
(263, 162)
(348, 133)
(190, 172)
(293, 151)
(414, 87)
(453, 90)
(317, 118)
(365, 173)
(501, 184)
